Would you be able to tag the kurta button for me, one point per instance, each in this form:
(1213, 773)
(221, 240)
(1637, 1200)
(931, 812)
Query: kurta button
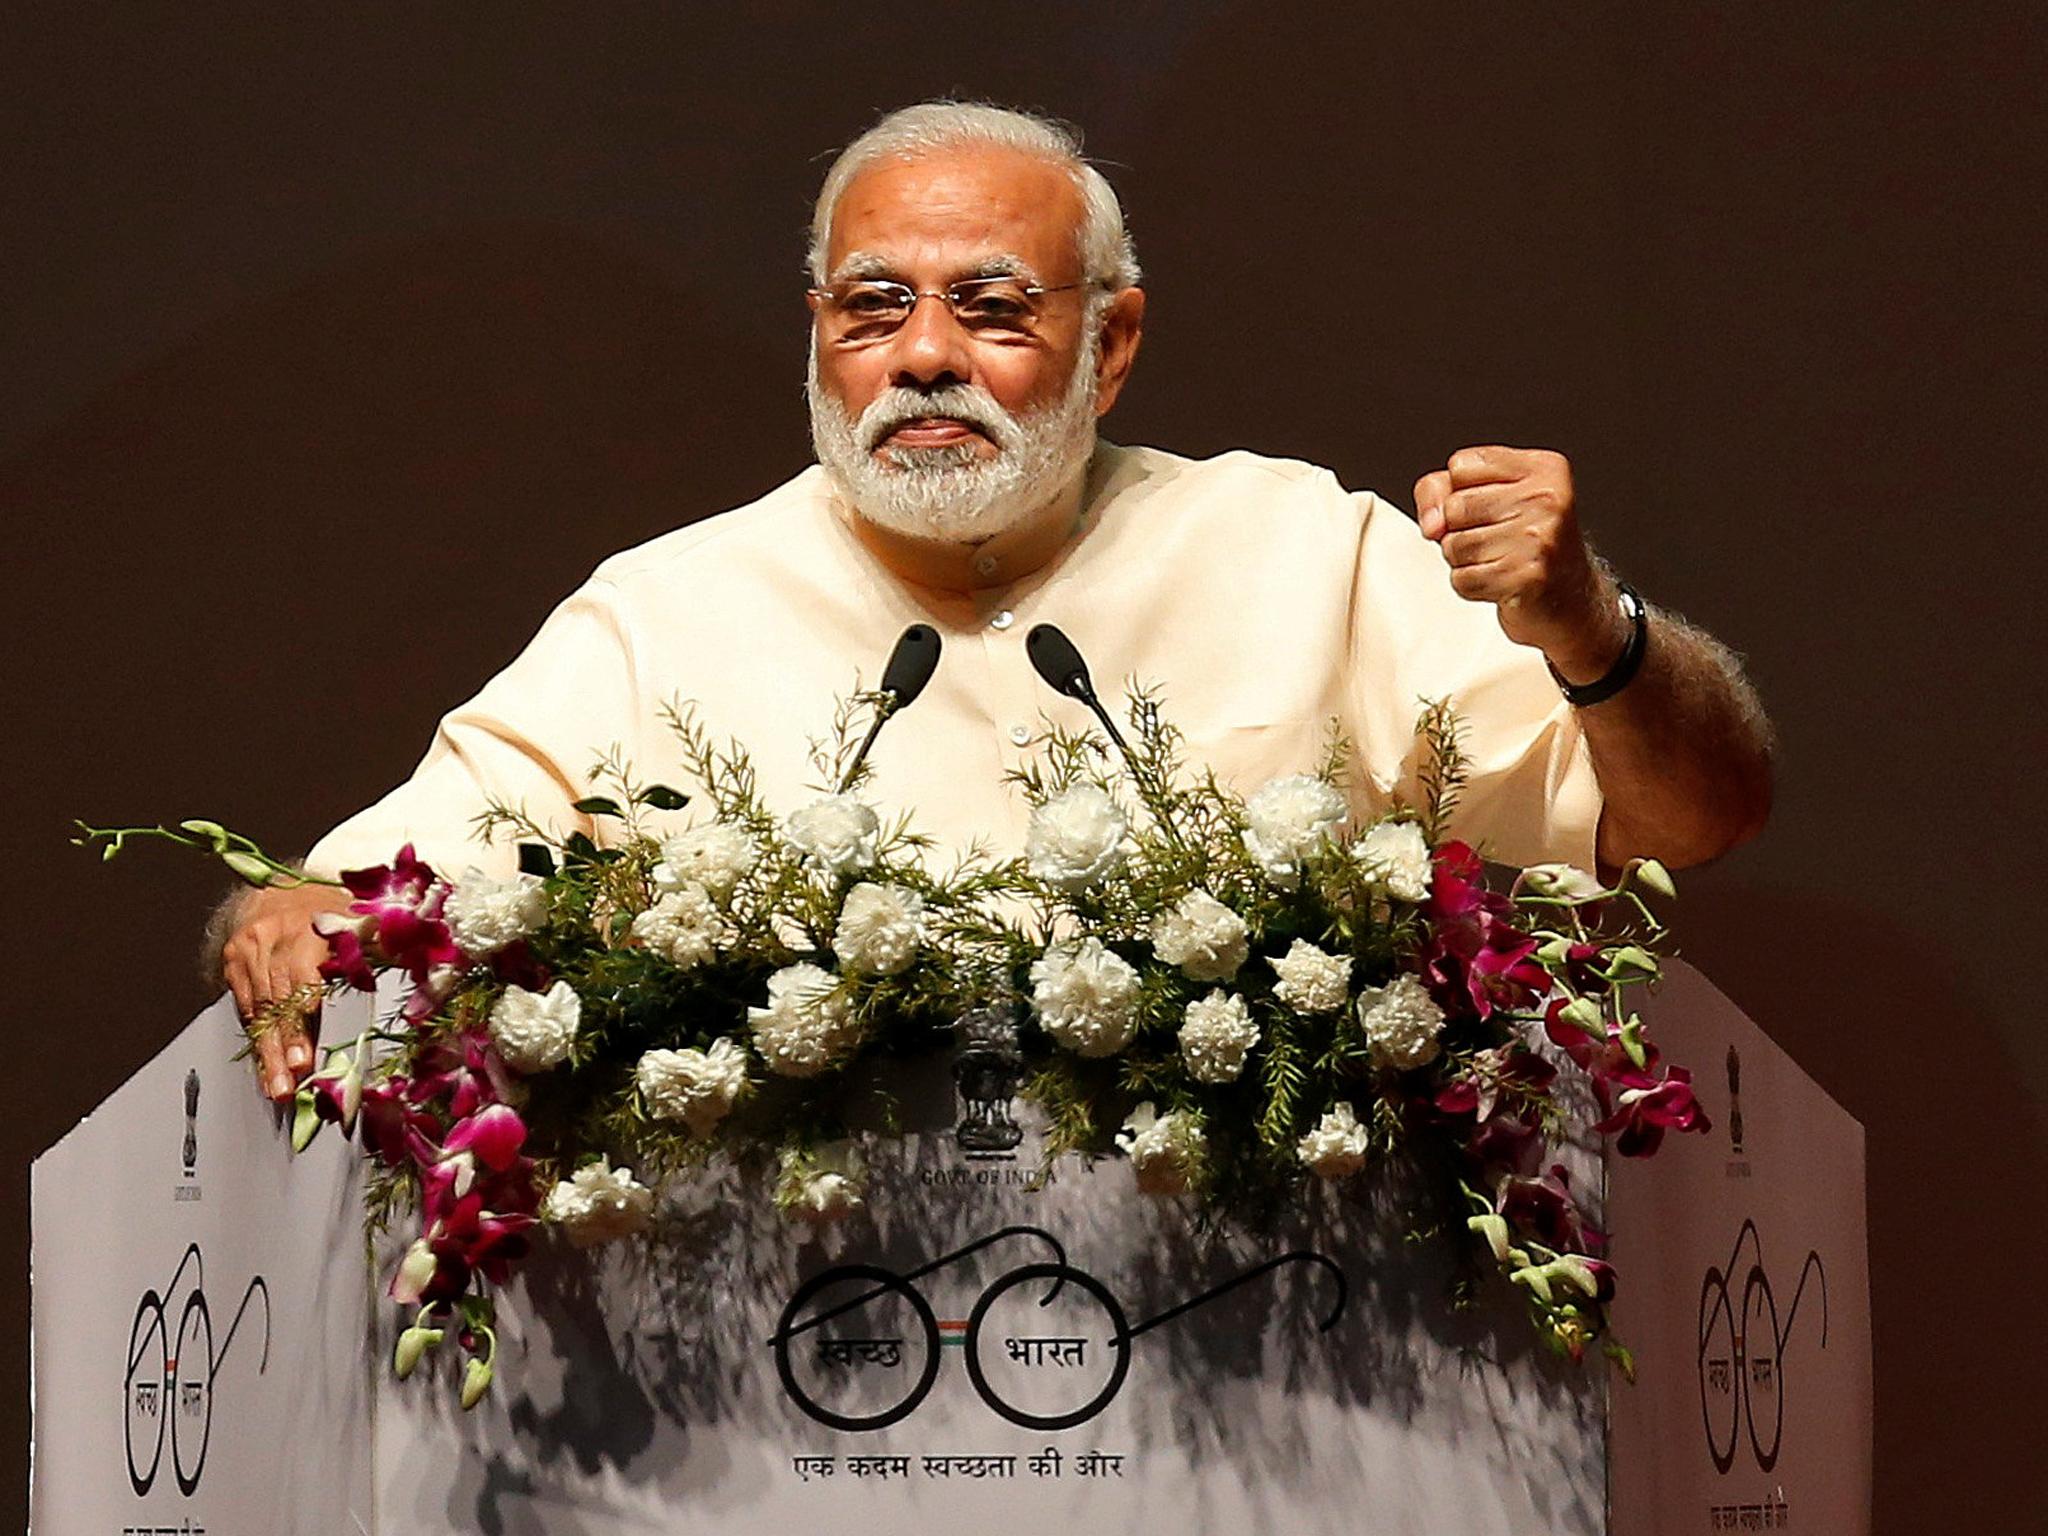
(1020, 734)
(1003, 619)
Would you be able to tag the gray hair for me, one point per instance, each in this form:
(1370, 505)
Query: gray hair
(909, 133)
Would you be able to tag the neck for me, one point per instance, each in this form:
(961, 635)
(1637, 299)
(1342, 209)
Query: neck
(1006, 557)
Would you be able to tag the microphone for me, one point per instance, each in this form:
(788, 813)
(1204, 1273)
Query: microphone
(1060, 664)
(911, 665)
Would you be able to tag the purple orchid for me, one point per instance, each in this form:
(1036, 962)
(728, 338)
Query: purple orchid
(395, 921)
(1542, 1205)
(1476, 959)
(1646, 1107)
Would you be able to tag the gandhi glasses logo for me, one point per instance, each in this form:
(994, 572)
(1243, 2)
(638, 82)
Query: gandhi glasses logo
(1038, 1365)
(1742, 1352)
(171, 1374)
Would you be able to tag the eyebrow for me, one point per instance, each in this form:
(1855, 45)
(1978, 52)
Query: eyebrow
(862, 265)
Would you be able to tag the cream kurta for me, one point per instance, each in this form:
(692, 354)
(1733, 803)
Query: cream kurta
(1261, 596)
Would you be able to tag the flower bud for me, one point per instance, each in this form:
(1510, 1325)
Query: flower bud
(1650, 873)
(1631, 963)
(1632, 1041)
(1583, 1013)
(476, 1380)
(416, 1272)
(412, 1344)
(248, 866)
(1495, 1230)
(305, 1117)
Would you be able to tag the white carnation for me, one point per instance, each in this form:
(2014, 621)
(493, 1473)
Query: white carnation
(1202, 936)
(1217, 1032)
(1289, 819)
(716, 856)
(484, 915)
(806, 1026)
(838, 833)
(1312, 980)
(683, 927)
(825, 1185)
(534, 1030)
(693, 1086)
(1336, 1148)
(1076, 838)
(1086, 997)
(1395, 855)
(1402, 1021)
(598, 1203)
(1164, 1150)
(880, 929)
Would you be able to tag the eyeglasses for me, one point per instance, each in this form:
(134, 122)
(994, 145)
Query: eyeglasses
(998, 308)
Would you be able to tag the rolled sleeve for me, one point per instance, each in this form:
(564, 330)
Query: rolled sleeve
(1531, 794)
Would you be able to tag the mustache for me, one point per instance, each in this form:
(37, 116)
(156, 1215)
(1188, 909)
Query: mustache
(966, 403)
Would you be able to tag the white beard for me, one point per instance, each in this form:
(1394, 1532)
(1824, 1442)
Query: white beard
(950, 493)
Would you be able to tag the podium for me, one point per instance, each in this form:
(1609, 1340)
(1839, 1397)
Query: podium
(212, 1341)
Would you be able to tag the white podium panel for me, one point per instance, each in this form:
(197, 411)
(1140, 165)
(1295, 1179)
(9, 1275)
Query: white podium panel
(200, 1302)
(1007, 1354)
(1746, 1292)
(968, 1348)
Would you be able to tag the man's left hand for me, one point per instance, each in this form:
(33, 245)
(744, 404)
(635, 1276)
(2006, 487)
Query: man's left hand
(1506, 522)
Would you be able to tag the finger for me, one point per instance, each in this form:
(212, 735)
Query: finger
(1477, 546)
(270, 1068)
(279, 973)
(1482, 506)
(1430, 493)
(235, 971)
(1492, 582)
(295, 1048)
(1486, 465)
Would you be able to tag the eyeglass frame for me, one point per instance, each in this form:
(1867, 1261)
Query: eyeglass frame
(823, 292)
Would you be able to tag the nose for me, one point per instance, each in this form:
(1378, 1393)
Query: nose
(931, 347)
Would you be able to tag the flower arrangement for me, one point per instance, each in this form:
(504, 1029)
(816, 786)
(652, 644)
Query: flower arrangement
(1245, 998)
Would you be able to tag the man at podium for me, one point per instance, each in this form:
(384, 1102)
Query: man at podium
(975, 309)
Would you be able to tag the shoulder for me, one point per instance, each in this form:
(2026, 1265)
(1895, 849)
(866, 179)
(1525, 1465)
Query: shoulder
(1244, 490)
(778, 520)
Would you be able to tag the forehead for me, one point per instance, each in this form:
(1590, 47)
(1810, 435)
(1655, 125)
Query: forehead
(934, 216)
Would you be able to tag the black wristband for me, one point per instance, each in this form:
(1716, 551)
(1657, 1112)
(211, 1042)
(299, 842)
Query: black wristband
(1618, 677)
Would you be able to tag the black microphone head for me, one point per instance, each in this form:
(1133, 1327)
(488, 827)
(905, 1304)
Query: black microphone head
(1058, 662)
(912, 663)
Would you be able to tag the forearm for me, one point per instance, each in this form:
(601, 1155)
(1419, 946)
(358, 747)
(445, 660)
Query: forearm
(1683, 753)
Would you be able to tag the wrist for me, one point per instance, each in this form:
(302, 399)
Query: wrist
(1588, 649)
(1587, 675)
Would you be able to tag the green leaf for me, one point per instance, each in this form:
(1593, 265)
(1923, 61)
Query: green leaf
(580, 849)
(597, 805)
(534, 859)
(662, 798)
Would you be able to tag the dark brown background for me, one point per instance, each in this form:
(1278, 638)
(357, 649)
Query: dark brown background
(336, 351)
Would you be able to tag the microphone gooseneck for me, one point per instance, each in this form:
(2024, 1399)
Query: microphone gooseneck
(911, 665)
(1060, 664)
